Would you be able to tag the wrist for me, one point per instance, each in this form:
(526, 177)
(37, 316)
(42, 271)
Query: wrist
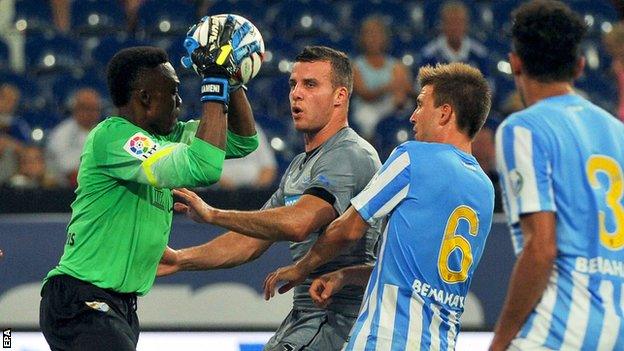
(215, 89)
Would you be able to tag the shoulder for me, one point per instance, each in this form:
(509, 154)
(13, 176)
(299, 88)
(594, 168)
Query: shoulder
(432, 47)
(350, 146)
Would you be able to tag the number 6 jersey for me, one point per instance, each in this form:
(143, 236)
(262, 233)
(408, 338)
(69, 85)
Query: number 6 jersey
(440, 204)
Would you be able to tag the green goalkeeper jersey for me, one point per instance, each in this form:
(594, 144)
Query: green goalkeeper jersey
(122, 214)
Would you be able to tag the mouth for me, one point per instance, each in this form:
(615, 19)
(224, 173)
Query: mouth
(296, 111)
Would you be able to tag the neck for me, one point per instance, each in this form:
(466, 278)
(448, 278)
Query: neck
(455, 45)
(535, 91)
(457, 139)
(134, 115)
(312, 140)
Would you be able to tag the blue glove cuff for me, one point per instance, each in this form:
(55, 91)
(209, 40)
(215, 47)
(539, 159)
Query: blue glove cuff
(215, 89)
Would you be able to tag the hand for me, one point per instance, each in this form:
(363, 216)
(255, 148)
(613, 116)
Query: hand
(169, 263)
(194, 207)
(325, 286)
(292, 274)
(215, 49)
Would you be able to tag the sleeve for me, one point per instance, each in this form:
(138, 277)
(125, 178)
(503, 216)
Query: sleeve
(127, 154)
(277, 199)
(236, 146)
(387, 188)
(525, 171)
(335, 176)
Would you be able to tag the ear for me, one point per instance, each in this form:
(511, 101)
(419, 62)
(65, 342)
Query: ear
(516, 64)
(144, 97)
(341, 96)
(580, 67)
(447, 115)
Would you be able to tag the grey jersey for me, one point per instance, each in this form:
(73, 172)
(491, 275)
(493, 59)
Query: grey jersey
(342, 166)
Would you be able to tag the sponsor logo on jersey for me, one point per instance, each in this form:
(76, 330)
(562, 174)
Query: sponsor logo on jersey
(291, 200)
(140, 146)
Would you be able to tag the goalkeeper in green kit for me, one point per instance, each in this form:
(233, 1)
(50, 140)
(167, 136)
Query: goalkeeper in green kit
(122, 214)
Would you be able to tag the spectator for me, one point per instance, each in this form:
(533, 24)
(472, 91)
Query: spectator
(11, 36)
(256, 170)
(31, 171)
(61, 14)
(614, 42)
(66, 140)
(454, 45)
(381, 83)
(11, 124)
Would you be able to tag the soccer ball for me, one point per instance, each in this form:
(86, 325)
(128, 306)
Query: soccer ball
(251, 63)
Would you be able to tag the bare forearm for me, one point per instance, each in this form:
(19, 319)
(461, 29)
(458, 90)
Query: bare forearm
(357, 275)
(528, 282)
(212, 125)
(240, 115)
(226, 251)
(340, 234)
(273, 224)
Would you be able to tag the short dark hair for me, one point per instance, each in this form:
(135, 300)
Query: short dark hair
(126, 67)
(342, 70)
(546, 35)
(464, 88)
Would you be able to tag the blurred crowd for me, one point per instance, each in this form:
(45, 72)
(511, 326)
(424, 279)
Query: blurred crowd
(53, 57)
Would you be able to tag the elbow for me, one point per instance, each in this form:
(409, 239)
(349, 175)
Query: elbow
(542, 255)
(297, 232)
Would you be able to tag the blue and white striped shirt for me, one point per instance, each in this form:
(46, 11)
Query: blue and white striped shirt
(440, 205)
(565, 155)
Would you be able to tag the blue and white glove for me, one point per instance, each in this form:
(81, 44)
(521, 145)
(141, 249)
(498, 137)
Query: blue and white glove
(215, 52)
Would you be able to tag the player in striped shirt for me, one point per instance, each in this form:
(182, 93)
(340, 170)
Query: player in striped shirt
(560, 162)
(439, 205)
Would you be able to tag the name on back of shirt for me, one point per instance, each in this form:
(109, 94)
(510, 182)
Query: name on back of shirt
(439, 295)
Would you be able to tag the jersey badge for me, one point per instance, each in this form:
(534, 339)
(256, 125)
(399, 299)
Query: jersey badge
(141, 146)
(516, 181)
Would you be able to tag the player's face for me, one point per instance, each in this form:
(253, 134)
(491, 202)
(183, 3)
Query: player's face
(311, 95)
(165, 100)
(425, 115)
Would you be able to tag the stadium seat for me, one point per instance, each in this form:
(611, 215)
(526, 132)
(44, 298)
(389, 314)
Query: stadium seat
(49, 54)
(391, 132)
(108, 46)
(33, 17)
(166, 17)
(97, 17)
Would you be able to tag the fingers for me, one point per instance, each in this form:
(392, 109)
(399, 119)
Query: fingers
(228, 28)
(284, 288)
(269, 286)
(245, 50)
(180, 207)
(240, 33)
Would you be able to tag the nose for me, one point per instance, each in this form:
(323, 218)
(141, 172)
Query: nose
(412, 118)
(295, 93)
(178, 100)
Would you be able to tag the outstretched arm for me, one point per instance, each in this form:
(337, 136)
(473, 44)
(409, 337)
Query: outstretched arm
(286, 223)
(344, 231)
(225, 251)
(325, 286)
(240, 115)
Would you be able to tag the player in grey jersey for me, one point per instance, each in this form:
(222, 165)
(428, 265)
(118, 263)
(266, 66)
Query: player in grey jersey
(316, 188)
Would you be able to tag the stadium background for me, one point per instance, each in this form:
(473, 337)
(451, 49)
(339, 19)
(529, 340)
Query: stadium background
(32, 222)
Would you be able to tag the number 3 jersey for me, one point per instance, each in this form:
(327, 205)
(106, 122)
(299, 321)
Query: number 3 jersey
(440, 204)
(565, 155)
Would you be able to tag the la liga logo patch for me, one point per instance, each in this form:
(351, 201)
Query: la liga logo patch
(140, 146)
